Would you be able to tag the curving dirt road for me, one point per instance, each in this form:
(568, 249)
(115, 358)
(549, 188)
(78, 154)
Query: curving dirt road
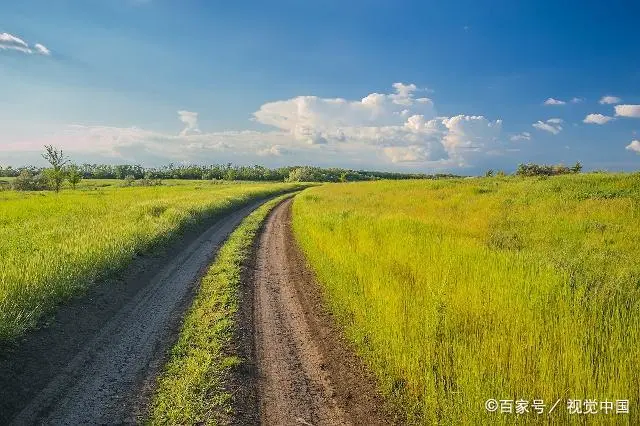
(95, 363)
(303, 370)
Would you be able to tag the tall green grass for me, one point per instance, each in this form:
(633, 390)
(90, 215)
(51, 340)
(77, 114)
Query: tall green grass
(53, 246)
(463, 290)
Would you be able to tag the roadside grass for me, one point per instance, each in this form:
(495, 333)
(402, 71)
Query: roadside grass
(54, 246)
(191, 390)
(462, 290)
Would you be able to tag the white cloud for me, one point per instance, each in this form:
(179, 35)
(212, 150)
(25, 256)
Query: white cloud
(190, 120)
(274, 150)
(379, 129)
(610, 100)
(552, 125)
(552, 101)
(407, 154)
(470, 133)
(597, 119)
(11, 42)
(524, 136)
(577, 100)
(634, 146)
(41, 49)
(628, 111)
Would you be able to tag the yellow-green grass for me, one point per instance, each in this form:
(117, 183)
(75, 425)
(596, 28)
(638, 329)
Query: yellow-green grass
(192, 388)
(462, 290)
(53, 246)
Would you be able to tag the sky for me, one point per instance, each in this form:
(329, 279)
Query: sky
(415, 86)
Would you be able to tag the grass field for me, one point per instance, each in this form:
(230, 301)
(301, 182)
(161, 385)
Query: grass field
(191, 388)
(53, 246)
(462, 290)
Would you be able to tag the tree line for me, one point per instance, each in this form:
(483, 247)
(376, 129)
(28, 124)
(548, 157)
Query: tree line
(61, 169)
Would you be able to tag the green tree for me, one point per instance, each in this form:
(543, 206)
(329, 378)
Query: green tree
(577, 168)
(56, 174)
(74, 175)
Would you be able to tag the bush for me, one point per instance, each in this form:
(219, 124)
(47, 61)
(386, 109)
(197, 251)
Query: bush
(26, 181)
(546, 170)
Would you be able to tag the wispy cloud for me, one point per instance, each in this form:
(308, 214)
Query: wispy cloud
(12, 42)
(552, 125)
(552, 101)
(609, 100)
(524, 136)
(577, 100)
(41, 49)
(597, 119)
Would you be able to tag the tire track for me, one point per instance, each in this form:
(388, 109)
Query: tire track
(305, 372)
(104, 379)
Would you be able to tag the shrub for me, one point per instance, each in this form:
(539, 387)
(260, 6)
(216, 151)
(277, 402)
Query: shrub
(26, 181)
(532, 169)
(74, 175)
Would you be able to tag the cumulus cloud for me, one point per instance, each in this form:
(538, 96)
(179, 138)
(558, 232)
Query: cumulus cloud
(634, 146)
(405, 127)
(190, 120)
(552, 125)
(470, 133)
(552, 101)
(398, 127)
(524, 136)
(610, 100)
(11, 42)
(274, 151)
(597, 119)
(628, 111)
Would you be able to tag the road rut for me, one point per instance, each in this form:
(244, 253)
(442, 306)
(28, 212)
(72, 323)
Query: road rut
(102, 379)
(305, 372)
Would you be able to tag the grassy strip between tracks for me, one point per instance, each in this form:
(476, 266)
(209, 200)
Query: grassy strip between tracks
(191, 389)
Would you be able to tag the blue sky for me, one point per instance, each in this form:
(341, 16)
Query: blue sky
(393, 85)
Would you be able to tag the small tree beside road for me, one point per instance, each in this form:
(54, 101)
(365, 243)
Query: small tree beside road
(56, 174)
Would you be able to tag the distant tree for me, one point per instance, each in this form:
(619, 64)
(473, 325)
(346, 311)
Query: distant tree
(56, 174)
(74, 175)
(577, 168)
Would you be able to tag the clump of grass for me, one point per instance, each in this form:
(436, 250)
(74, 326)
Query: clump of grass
(454, 295)
(53, 246)
(191, 389)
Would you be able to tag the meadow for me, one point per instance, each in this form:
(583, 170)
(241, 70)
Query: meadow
(54, 246)
(457, 291)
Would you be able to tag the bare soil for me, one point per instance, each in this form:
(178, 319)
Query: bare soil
(300, 369)
(97, 360)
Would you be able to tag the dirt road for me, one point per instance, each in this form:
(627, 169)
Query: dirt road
(95, 362)
(303, 370)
